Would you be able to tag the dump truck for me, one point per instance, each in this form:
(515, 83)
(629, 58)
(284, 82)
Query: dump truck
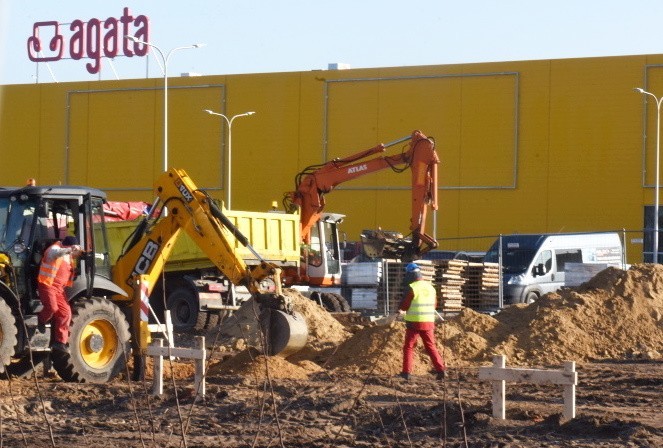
(110, 316)
(198, 294)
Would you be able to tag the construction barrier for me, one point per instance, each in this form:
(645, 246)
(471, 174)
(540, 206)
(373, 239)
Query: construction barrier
(199, 353)
(499, 374)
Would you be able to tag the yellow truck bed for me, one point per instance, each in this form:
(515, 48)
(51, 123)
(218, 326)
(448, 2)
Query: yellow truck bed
(275, 236)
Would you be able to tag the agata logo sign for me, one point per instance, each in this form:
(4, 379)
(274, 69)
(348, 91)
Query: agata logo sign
(91, 39)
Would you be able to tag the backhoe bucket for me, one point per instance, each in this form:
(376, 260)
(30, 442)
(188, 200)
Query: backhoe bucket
(285, 333)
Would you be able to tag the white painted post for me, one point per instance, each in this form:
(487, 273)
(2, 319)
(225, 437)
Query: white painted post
(569, 393)
(199, 382)
(168, 322)
(157, 386)
(499, 390)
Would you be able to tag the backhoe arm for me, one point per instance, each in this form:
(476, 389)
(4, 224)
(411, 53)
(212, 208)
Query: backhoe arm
(193, 211)
(190, 210)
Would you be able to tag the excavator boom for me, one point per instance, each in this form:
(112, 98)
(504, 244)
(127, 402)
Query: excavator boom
(420, 157)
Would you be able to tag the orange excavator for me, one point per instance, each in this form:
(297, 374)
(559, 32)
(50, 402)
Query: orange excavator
(419, 156)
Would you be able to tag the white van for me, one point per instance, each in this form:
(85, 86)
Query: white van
(533, 265)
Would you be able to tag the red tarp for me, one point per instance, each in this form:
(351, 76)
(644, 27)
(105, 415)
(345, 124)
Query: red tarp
(125, 211)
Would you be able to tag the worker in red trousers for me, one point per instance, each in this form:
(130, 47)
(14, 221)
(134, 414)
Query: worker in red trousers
(418, 306)
(56, 272)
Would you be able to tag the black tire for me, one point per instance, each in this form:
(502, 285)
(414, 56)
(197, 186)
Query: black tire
(315, 296)
(531, 297)
(99, 343)
(8, 332)
(23, 367)
(343, 303)
(185, 311)
(330, 302)
(214, 318)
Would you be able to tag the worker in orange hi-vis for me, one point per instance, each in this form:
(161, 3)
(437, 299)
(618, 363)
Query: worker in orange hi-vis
(419, 305)
(31, 182)
(56, 272)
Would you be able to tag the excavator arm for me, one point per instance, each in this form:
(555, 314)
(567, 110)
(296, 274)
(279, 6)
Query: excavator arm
(420, 157)
(191, 210)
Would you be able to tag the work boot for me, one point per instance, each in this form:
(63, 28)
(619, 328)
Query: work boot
(41, 328)
(440, 375)
(406, 376)
(60, 347)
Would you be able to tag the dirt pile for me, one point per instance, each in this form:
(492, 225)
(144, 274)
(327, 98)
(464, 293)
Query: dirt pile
(616, 315)
(325, 334)
(323, 328)
(253, 366)
(324, 331)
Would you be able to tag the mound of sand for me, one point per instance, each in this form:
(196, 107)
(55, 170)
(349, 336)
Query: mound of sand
(250, 364)
(325, 334)
(616, 315)
(323, 329)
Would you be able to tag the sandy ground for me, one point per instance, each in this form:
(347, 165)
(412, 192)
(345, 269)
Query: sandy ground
(618, 404)
(342, 389)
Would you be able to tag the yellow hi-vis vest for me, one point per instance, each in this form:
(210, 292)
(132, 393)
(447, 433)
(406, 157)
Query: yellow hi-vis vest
(48, 269)
(422, 308)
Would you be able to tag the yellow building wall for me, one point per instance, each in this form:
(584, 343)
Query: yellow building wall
(529, 146)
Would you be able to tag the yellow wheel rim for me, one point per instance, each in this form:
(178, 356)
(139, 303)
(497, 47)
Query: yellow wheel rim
(98, 343)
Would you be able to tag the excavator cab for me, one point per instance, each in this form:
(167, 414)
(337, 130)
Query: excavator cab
(323, 257)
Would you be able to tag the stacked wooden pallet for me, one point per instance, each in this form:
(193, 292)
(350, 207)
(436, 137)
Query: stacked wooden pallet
(449, 280)
(482, 288)
(394, 283)
(391, 287)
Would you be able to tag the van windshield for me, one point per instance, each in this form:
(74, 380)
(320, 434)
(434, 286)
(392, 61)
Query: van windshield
(515, 260)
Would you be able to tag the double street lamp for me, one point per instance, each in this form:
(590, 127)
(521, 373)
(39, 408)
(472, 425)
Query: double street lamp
(229, 122)
(658, 152)
(165, 58)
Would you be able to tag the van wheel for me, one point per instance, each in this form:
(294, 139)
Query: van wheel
(531, 297)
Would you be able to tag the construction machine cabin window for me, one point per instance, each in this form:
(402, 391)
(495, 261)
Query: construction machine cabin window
(332, 253)
(16, 219)
(315, 248)
(101, 247)
(57, 219)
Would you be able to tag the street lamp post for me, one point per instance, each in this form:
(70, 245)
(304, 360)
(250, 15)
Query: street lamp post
(658, 152)
(229, 122)
(165, 58)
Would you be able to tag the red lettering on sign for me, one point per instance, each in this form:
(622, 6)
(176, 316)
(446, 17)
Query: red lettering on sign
(89, 40)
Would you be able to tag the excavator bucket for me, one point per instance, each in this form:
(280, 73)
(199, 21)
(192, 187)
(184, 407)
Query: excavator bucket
(285, 333)
(386, 244)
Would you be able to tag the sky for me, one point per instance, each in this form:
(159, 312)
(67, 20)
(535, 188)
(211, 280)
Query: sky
(260, 36)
